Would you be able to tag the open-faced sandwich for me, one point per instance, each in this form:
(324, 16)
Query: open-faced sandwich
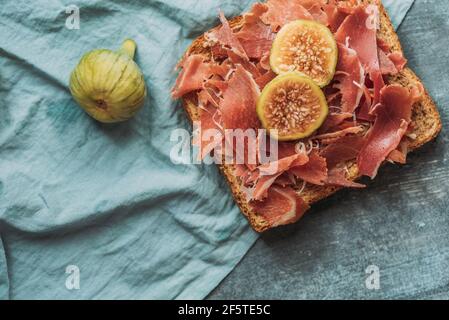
(326, 79)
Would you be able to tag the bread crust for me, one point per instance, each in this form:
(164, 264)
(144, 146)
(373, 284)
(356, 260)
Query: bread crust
(426, 122)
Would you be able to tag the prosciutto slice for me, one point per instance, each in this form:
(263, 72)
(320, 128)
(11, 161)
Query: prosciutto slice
(314, 171)
(210, 123)
(264, 79)
(255, 36)
(337, 177)
(333, 121)
(268, 173)
(391, 63)
(282, 206)
(336, 13)
(387, 67)
(344, 149)
(281, 12)
(361, 36)
(359, 32)
(238, 105)
(194, 72)
(333, 136)
(398, 59)
(393, 116)
(400, 154)
(226, 37)
(351, 77)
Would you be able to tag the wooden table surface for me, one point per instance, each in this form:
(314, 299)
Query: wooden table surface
(399, 224)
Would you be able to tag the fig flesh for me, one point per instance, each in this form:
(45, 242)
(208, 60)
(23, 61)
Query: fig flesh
(292, 107)
(307, 47)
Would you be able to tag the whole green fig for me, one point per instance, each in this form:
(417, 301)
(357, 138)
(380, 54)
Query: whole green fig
(109, 85)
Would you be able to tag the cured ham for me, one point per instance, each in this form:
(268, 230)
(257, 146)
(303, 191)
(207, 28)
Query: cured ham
(332, 136)
(337, 177)
(268, 173)
(387, 67)
(285, 180)
(400, 154)
(282, 206)
(351, 77)
(398, 59)
(208, 96)
(255, 36)
(209, 135)
(314, 171)
(393, 116)
(264, 79)
(281, 12)
(194, 72)
(239, 101)
(391, 63)
(316, 9)
(358, 34)
(344, 149)
(333, 121)
(248, 65)
(226, 37)
(363, 113)
(368, 118)
(336, 13)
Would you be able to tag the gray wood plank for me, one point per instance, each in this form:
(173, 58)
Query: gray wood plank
(400, 223)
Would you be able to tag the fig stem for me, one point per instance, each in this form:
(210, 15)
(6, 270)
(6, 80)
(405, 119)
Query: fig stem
(128, 48)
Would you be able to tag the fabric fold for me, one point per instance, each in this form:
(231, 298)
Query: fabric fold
(107, 201)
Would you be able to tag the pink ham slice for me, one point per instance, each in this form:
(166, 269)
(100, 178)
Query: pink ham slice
(387, 67)
(255, 36)
(337, 12)
(282, 206)
(194, 72)
(226, 37)
(333, 121)
(238, 105)
(360, 36)
(208, 96)
(333, 136)
(316, 9)
(358, 31)
(285, 180)
(314, 171)
(400, 154)
(268, 173)
(398, 59)
(337, 177)
(281, 12)
(351, 77)
(393, 116)
(344, 149)
(245, 63)
(208, 122)
(264, 79)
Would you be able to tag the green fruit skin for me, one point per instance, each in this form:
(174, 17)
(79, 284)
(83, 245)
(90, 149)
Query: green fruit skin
(108, 85)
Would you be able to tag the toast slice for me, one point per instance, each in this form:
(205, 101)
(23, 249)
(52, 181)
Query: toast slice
(426, 122)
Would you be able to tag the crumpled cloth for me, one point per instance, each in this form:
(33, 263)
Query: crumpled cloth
(106, 199)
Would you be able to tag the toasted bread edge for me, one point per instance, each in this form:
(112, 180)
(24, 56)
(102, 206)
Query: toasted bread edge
(426, 120)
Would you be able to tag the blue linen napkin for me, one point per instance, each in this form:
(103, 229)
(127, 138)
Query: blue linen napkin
(92, 211)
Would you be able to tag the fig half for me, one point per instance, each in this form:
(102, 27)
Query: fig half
(292, 107)
(307, 47)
